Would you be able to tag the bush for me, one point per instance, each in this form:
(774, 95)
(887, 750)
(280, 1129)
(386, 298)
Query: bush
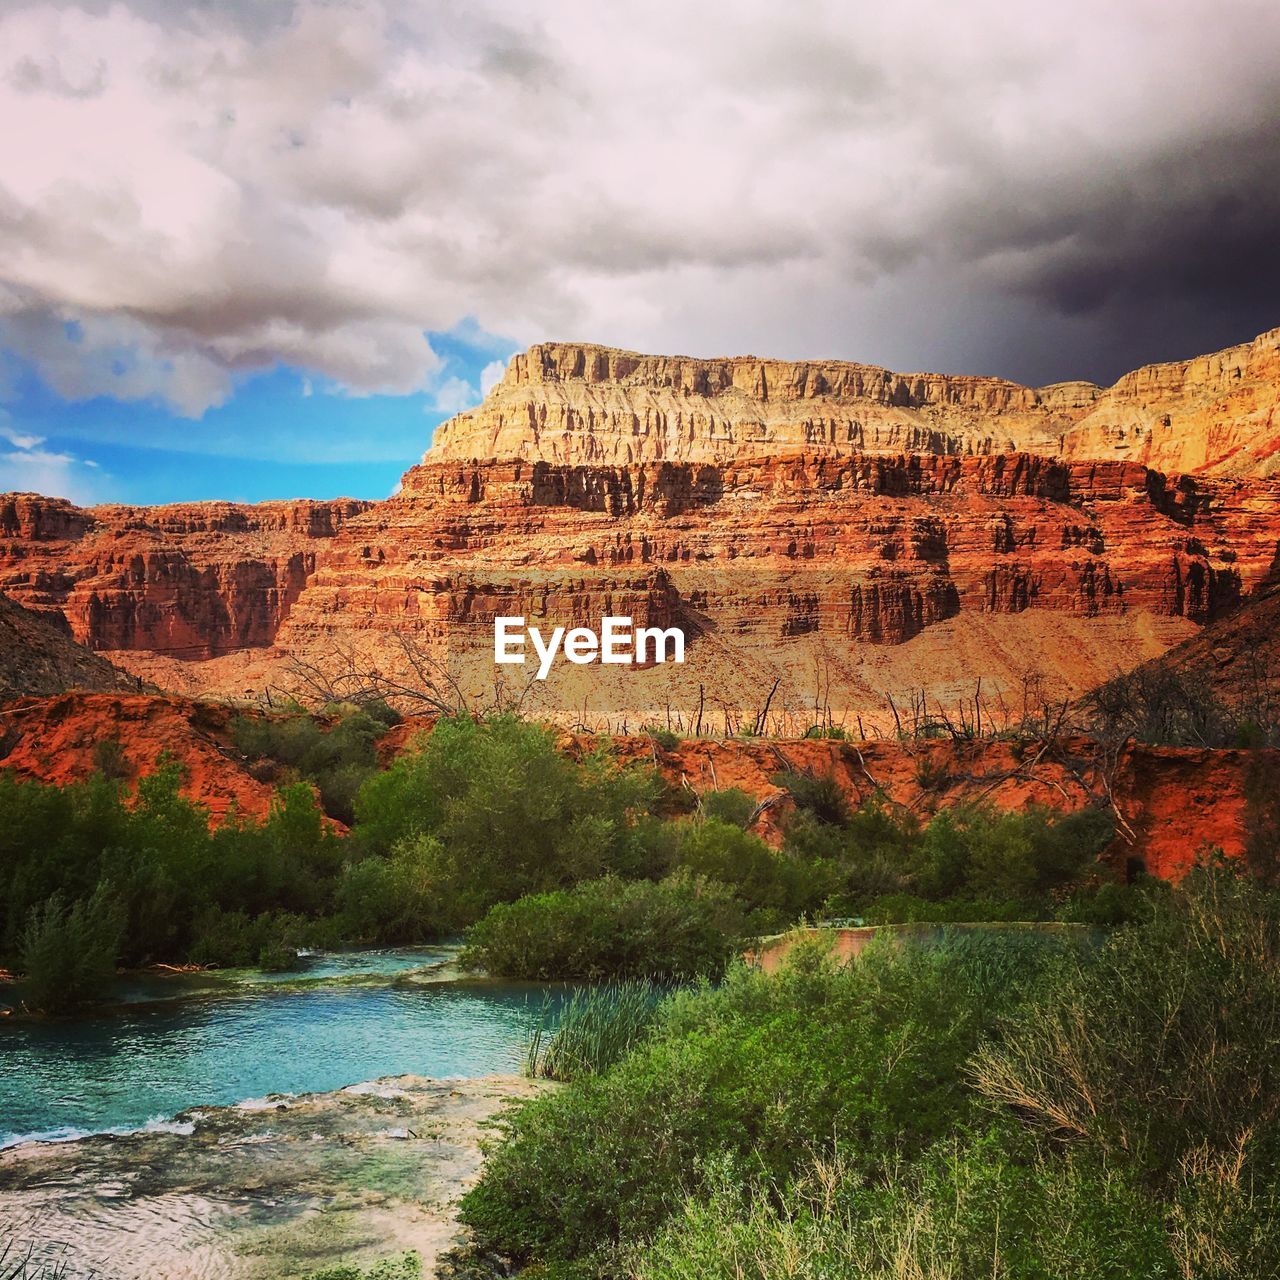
(965, 1210)
(755, 1076)
(665, 739)
(1162, 1046)
(393, 899)
(820, 796)
(1015, 862)
(337, 757)
(677, 929)
(69, 951)
(773, 883)
(731, 805)
(174, 883)
(512, 814)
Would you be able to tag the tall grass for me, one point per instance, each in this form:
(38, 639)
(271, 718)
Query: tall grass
(597, 1027)
(19, 1262)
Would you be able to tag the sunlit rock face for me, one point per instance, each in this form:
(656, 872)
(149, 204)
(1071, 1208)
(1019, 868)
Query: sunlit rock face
(843, 533)
(578, 403)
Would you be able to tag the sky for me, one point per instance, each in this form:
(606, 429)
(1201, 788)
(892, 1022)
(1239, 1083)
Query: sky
(261, 248)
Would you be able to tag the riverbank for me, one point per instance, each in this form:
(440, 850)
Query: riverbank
(271, 1188)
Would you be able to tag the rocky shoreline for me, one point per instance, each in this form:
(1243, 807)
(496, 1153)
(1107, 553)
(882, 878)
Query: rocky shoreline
(274, 1187)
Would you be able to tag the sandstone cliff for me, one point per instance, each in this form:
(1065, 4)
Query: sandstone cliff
(579, 403)
(846, 580)
(832, 540)
(191, 580)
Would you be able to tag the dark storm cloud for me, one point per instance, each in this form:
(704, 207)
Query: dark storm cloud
(1048, 191)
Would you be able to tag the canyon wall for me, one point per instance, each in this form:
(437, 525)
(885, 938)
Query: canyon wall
(580, 403)
(831, 539)
(190, 581)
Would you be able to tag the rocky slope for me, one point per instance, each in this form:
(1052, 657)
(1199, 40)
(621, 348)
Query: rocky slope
(579, 403)
(38, 656)
(1238, 656)
(58, 740)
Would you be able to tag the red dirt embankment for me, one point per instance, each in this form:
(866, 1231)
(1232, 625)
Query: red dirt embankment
(58, 740)
(1173, 803)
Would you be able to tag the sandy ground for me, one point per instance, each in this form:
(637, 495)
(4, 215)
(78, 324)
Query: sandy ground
(271, 1188)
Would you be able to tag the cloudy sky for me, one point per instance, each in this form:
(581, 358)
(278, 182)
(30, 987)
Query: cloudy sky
(255, 248)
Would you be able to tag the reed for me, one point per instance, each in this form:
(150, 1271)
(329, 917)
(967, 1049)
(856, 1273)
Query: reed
(597, 1026)
(21, 1262)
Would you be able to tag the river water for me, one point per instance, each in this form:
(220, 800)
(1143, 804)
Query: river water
(184, 1041)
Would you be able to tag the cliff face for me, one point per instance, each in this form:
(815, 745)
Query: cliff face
(868, 576)
(191, 581)
(578, 403)
(831, 540)
(1217, 414)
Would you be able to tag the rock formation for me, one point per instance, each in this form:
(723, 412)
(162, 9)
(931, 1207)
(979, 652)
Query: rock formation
(834, 541)
(191, 581)
(578, 403)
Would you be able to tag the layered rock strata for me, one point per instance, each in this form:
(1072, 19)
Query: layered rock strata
(580, 403)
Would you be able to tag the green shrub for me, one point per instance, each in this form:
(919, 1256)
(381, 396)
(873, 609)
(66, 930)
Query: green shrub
(512, 814)
(820, 796)
(1162, 1046)
(237, 940)
(69, 951)
(393, 899)
(833, 732)
(760, 1074)
(906, 908)
(731, 805)
(764, 880)
(964, 1210)
(336, 753)
(669, 931)
(665, 739)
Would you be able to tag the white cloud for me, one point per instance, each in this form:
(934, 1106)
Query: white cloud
(453, 396)
(19, 440)
(209, 189)
(491, 375)
(60, 475)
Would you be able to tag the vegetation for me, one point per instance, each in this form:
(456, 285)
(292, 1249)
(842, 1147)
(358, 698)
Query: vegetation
(561, 867)
(1000, 1106)
(596, 1027)
(401, 1266)
(69, 951)
(670, 931)
(335, 751)
(1181, 707)
(1004, 1104)
(495, 812)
